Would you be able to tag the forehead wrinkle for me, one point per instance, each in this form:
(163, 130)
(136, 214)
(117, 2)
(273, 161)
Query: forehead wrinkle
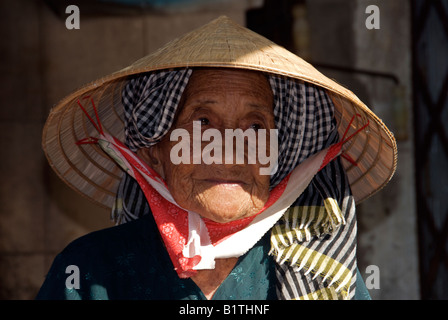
(210, 87)
(222, 78)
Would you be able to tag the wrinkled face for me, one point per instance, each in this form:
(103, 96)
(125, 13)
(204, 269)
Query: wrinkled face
(220, 99)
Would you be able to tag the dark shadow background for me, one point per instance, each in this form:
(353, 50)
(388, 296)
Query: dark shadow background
(394, 70)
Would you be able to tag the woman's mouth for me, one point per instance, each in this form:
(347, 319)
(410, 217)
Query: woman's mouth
(226, 183)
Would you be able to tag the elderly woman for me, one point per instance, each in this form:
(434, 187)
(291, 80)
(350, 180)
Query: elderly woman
(222, 227)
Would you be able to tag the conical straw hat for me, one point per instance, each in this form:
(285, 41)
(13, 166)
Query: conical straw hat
(220, 43)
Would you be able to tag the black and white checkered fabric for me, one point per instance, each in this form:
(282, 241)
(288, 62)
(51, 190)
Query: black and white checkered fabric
(150, 103)
(304, 117)
(303, 114)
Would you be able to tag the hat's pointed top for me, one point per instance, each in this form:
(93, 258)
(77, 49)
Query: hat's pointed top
(224, 43)
(220, 41)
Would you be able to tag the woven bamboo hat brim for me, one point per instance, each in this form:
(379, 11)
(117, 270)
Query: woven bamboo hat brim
(220, 43)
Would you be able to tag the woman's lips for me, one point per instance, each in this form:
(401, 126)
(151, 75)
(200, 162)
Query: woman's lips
(226, 183)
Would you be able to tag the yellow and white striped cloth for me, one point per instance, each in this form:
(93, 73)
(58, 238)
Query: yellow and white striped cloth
(314, 243)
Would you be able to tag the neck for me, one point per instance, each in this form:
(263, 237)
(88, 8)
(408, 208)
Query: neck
(210, 280)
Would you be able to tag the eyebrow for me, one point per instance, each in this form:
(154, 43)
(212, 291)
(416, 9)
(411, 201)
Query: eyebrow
(258, 107)
(198, 107)
(199, 102)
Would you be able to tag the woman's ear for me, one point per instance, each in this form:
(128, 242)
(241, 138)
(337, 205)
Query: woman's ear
(151, 156)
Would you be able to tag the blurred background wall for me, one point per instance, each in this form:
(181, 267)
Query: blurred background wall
(42, 61)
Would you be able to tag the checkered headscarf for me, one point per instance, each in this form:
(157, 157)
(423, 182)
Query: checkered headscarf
(303, 115)
(150, 102)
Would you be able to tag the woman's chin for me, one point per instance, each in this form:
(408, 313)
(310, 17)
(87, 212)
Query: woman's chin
(227, 210)
(221, 205)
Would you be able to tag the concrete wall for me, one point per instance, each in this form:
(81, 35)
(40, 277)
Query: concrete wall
(42, 61)
(387, 221)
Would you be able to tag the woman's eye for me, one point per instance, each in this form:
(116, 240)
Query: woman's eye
(256, 126)
(204, 121)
